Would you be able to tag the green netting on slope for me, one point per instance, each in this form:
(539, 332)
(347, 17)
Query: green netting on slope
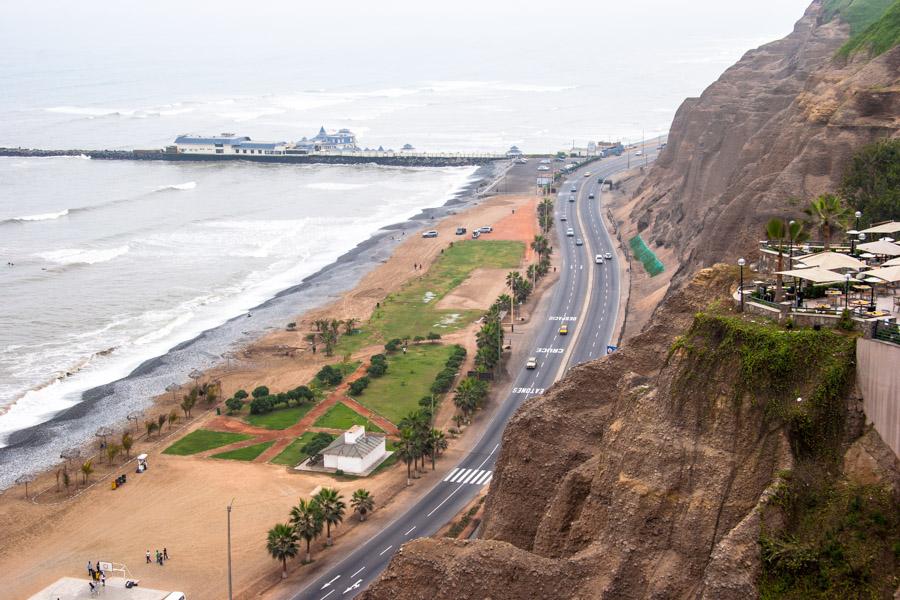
(652, 265)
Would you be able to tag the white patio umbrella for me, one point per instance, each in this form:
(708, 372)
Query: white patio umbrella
(881, 247)
(832, 260)
(892, 227)
(814, 274)
(886, 273)
(892, 263)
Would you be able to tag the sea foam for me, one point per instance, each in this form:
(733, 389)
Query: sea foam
(39, 217)
(178, 186)
(75, 256)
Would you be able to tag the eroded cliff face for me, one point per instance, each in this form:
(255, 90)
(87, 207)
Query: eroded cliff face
(620, 482)
(780, 124)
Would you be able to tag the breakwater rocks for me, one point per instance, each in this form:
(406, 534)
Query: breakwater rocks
(447, 160)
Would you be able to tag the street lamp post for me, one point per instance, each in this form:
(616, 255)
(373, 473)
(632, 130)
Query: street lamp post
(741, 263)
(847, 291)
(229, 548)
(790, 245)
(855, 232)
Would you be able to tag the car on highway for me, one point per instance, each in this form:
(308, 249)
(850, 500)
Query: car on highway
(570, 232)
(563, 218)
(543, 168)
(587, 174)
(579, 242)
(532, 363)
(430, 234)
(639, 153)
(571, 197)
(486, 229)
(591, 196)
(545, 161)
(598, 259)
(563, 329)
(573, 189)
(608, 256)
(476, 234)
(460, 231)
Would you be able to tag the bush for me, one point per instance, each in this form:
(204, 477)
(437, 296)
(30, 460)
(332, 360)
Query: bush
(379, 358)
(301, 394)
(377, 369)
(393, 345)
(260, 392)
(845, 323)
(433, 337)
(241, 394)
(328, 375)
(234, 405)
(357, 387)
(418, 339)
(319, 442)
(262, 405)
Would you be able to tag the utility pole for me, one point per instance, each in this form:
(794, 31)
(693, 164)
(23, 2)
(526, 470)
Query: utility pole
(229, 548)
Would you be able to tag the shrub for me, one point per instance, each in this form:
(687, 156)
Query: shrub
(260, 391)
(433, 336)
(845, 323)
(328, 375)
(357, 387)
(393, 345)
(241, 394)
(319, 442)
(234, 405)
(262, 405)
(377, 369)
(301, 394)
(379, 358)
(418, 339)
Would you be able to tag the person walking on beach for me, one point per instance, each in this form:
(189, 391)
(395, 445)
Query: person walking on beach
(148, 556)
(102, 578)
(165, 553)
(89, 567)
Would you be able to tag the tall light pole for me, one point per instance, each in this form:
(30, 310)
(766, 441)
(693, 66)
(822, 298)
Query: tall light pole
(229, 548)
(741, 263)
(846, 291)
(790, 244)
(854, 232)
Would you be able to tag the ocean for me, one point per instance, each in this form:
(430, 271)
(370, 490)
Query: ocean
(109, 265)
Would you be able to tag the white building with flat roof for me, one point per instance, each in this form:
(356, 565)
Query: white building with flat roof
(355, 451)
(226, 143)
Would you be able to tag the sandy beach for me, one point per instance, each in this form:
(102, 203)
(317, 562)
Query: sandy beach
(180, 502)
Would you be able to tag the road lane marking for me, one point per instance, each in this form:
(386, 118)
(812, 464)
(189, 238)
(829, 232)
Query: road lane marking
(483, 478)
(447, 478)
(386, 549)
(473, 476)
(326, 595)
(353, 587)
(407, 533)
(330, 582)
(460, 475)
(358, 572)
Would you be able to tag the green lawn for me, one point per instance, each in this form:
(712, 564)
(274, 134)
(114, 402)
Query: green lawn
(203, 439)
(280, 418)
(248, 453)
(410, 312)
(292, 455)
(340, 416)
(408, 378)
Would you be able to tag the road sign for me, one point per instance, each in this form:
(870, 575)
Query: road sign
(611, 349)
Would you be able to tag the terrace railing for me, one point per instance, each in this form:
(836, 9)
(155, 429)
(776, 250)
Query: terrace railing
(887, 333)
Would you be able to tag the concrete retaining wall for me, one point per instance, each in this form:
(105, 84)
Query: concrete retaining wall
(878, 379)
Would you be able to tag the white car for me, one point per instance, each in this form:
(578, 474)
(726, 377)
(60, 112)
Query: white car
(579, 242)
(570, 232)
(522, 161)
(587, 174)
(545, 161)
(598, 259)
(543, 168)
(430, 234)
(486, 229)
(608, 256)
(571, 197)
(639, 153)
(532, 363)
(563, 218)
(573, 189)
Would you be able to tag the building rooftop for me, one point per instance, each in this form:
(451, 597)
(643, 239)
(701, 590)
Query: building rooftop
(362, 445)
(227, 138)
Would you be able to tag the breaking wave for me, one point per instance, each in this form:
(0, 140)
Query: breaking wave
(76, 256)
(40, 217)
(179, 186)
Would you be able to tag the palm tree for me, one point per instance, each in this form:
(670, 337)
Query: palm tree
(459, 419)
(362, 502)
(349, 325)
(437, 443)
(540, 245)
(828, 214)
(127, 443)
(282, 544)
(86, 469)
(173, 416)
(188, 402)
(333, 509)
(469, 394)
(775, 232)
(112, 451)
(406, 451)
(160, 421)
(307, 520)
(151, 427)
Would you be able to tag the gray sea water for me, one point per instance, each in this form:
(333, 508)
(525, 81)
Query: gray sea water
(115, 263)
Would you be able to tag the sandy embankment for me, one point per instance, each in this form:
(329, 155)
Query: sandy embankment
(180, 502)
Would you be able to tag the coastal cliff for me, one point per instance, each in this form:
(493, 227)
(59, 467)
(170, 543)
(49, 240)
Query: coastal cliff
(663, 470)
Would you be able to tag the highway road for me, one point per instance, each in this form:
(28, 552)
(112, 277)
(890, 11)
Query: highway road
(586, 299)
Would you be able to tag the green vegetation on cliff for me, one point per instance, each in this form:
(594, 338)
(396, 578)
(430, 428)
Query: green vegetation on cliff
(774, 367)
(871, 183)
(874, 24)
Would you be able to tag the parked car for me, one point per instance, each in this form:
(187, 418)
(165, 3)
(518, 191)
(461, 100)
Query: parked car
(522, 161)
(570, 232)
(545, 161)
(532, 363)
(608, 256)
(486, 229)
(543, 168)
(563, 329)
(430, 234)
(579, 242)
(598, 259)
(476, 234)
(460, 231)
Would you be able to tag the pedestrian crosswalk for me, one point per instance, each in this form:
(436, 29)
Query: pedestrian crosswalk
(472, 476)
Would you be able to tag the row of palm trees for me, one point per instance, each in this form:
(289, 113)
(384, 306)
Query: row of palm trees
(418, 441)
(307, 520)
(328, 331)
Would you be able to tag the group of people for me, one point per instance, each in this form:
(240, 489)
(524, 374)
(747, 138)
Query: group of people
(96, 576)
(161, 557)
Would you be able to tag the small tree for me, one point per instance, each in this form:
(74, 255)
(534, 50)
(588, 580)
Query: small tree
(160, 421)
(234, 405)
(188, 402)
(127, 443)
(260, 391)
(173, 416)
(241, 394)
(362, 502)
(112, 451)
(282, 544)
(67, 481)
(151, 427)
(86, 469)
